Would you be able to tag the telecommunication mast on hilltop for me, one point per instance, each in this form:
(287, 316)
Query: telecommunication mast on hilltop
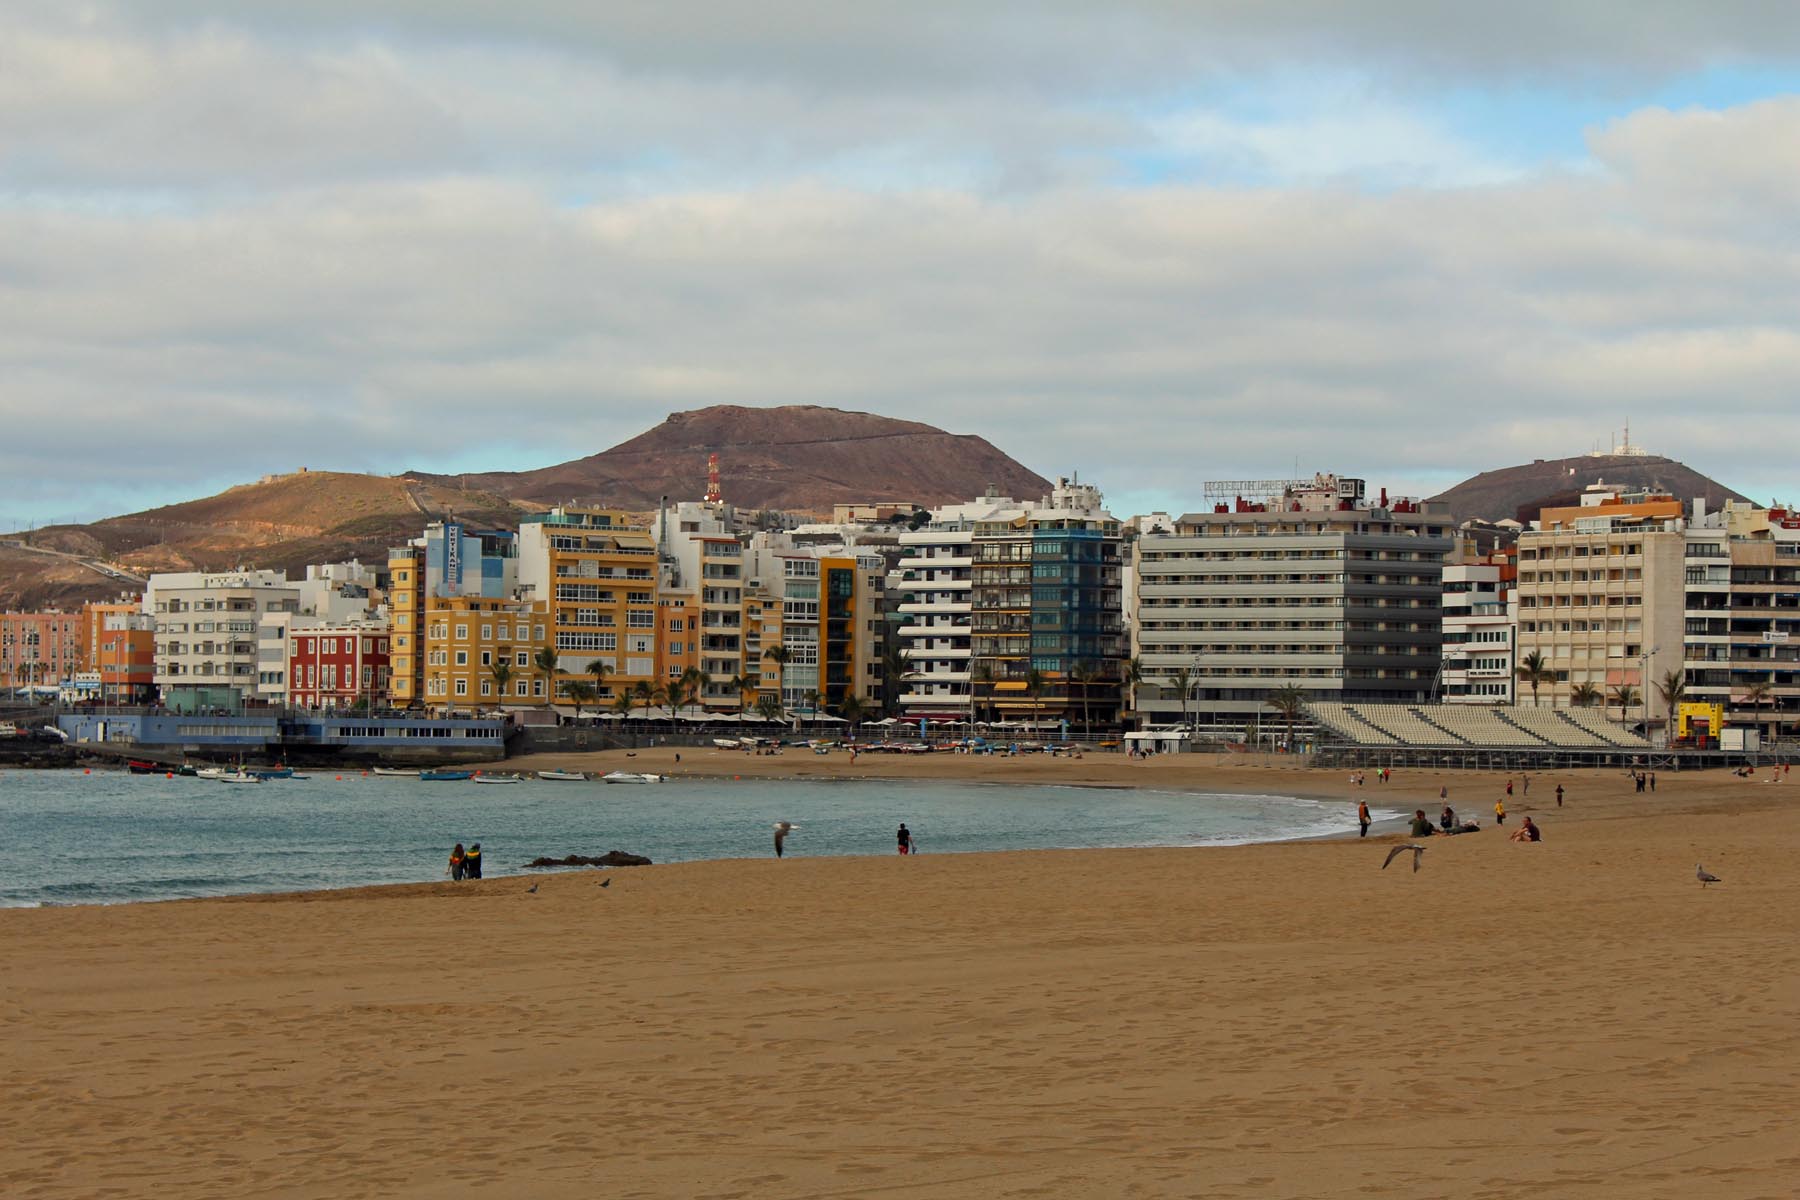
(714, 494)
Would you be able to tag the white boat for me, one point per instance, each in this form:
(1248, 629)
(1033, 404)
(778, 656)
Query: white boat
(563, 776)
(630, 777)
(239, 777)
(728, 743)
(498, 779)
(396, 772)
(210, 773)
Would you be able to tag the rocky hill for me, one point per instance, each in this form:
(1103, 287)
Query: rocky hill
(797, 458)
(285, 523)
(1519, 492)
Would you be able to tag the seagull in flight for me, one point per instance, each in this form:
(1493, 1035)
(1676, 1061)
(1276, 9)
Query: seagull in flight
(1418, 852)
(1704, 876)
(782, 829)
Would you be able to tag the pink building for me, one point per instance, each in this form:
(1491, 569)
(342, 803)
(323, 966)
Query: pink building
(39, 649)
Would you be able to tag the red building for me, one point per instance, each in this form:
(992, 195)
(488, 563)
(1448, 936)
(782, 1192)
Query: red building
(337, 666)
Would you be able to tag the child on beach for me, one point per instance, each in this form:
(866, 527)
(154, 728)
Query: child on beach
(1500, 812)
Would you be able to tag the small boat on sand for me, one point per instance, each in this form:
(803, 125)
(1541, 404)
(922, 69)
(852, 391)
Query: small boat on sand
(728, 743)
(563, 776)
(630, 777)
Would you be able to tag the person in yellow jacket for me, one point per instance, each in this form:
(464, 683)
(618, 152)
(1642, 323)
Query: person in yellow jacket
(1500, 812)
(472, 862)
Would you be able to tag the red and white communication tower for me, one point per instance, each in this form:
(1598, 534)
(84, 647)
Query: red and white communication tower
(713, 492)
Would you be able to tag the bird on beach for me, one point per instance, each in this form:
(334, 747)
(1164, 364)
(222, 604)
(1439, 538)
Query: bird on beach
(782, 829)
(1704, 876)
(532, 890)
(1418, 852)
(606, 883)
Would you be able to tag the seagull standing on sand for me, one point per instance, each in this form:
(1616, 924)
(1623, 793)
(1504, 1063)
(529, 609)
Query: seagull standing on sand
(1704, 876)
(532, 890)
(1418, 852)
(782, 829)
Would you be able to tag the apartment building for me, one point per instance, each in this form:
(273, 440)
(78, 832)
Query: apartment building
(38, 649)
(1045, 603)
(330, 594)
(207, 625)
(481, 653)
(1601, 597)
(1479, 628)
(1741, 620)
(446, 560)
(598, 575)
(933, 581)
(119, 646)
(706, 561)
(1288, 582)
(339, 665)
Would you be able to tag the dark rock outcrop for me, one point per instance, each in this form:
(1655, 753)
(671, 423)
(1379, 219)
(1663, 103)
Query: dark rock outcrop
(612, 858)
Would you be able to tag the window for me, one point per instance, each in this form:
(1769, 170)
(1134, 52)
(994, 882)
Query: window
(487, 658)
(462, 658)
(640, 620)
(522, 688)
(521, 659)
(487, 633)
(462, 633)
(503, 633)
(678, 625)
(462, 687)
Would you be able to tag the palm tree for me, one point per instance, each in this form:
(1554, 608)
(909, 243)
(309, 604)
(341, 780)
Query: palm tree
(894, 672)
(693, 680)
(548, 661)
(745, 686)
(1035, 683)
(1671, 688)
(1624, 695)
(1584, 695)
(599, 670)
(768, 707)
(1085, 674)
(502, 673)
(853, 708)
(1288, 700)
(1129, 678)
(668, 696)
(811, 700)
(1184, 681)
(643, 691)
(622, 703)
(781, 656)
(1535, 670)
(980, 674)
(581, 692)
(1758, 693)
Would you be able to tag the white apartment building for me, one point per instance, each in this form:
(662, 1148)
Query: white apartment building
(1288, 583)
(331, 594)
(1741, 621)
(1480, 626)
(207, 625)
(934, 580)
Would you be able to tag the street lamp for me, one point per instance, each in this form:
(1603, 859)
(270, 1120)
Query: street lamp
(1644, 685)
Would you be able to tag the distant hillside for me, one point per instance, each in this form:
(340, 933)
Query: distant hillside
(1518, 493)
(798, 458)
(285, 523)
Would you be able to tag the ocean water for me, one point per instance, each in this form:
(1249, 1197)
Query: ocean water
(110, 837)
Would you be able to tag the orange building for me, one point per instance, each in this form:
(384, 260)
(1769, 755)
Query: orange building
(118, 642)
(38, 649)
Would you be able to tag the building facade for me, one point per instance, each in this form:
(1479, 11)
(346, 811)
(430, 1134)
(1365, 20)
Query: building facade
(207, 625)
(1601, 598)
(482, 654)
(119, 647)
(1741, 620)
(339, 665)
(597, 575)
(39, 649)
(1306, 585)
(1479, 629)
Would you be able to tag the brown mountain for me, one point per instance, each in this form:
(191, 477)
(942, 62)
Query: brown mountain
(797, 458)
(284, 522)
(1519, 492)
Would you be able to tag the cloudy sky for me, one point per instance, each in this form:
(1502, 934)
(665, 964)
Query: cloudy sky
(1155, 241)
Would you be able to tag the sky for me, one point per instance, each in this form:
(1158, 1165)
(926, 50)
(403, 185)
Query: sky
(1154, 242)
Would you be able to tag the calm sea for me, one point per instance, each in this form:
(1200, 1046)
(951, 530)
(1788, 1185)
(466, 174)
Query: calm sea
(111, 837)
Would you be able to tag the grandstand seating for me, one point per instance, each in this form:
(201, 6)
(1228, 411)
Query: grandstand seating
(1452, 726)
(1547, 724)
(1404, 723)
(1481, 726)
(1344, 721)
(1595, 722)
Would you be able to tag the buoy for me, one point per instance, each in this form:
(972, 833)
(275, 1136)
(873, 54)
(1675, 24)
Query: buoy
(737, 776)
(85, 771)
(340, 779)
(170, 775)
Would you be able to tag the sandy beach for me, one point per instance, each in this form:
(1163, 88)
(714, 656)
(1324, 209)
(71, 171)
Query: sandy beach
(1576, 1017)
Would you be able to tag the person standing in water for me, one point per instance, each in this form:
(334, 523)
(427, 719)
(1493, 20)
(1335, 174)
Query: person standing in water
(472, 862)
(903, 839)
(456, 863)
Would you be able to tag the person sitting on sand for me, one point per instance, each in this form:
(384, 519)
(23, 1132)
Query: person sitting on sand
(456, 863)
(1527, 833)
(1421, 824)
(1447, 819)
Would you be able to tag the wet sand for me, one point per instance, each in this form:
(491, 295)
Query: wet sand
(1576, 1017)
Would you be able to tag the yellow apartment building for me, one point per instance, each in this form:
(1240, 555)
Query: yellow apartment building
(597, 574)
(481, 653)
(406, 625)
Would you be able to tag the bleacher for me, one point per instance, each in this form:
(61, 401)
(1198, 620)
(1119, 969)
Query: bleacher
(1485, 727)
(1594, 722)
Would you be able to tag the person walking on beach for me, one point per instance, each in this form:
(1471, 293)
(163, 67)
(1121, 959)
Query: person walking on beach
(1362, 818)
(1509, 787)
(456, 864)
(1444, 792)
(472, 862)
(1500, 812)
(1559, 795)
(1653, 781)
(903, 839)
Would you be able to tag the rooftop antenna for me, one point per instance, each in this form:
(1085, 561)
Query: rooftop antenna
(713, 492)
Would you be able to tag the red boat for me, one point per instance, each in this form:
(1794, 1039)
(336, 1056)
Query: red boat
(137, 767)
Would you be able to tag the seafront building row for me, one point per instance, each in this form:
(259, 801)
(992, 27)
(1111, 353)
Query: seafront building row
(1049, 613)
